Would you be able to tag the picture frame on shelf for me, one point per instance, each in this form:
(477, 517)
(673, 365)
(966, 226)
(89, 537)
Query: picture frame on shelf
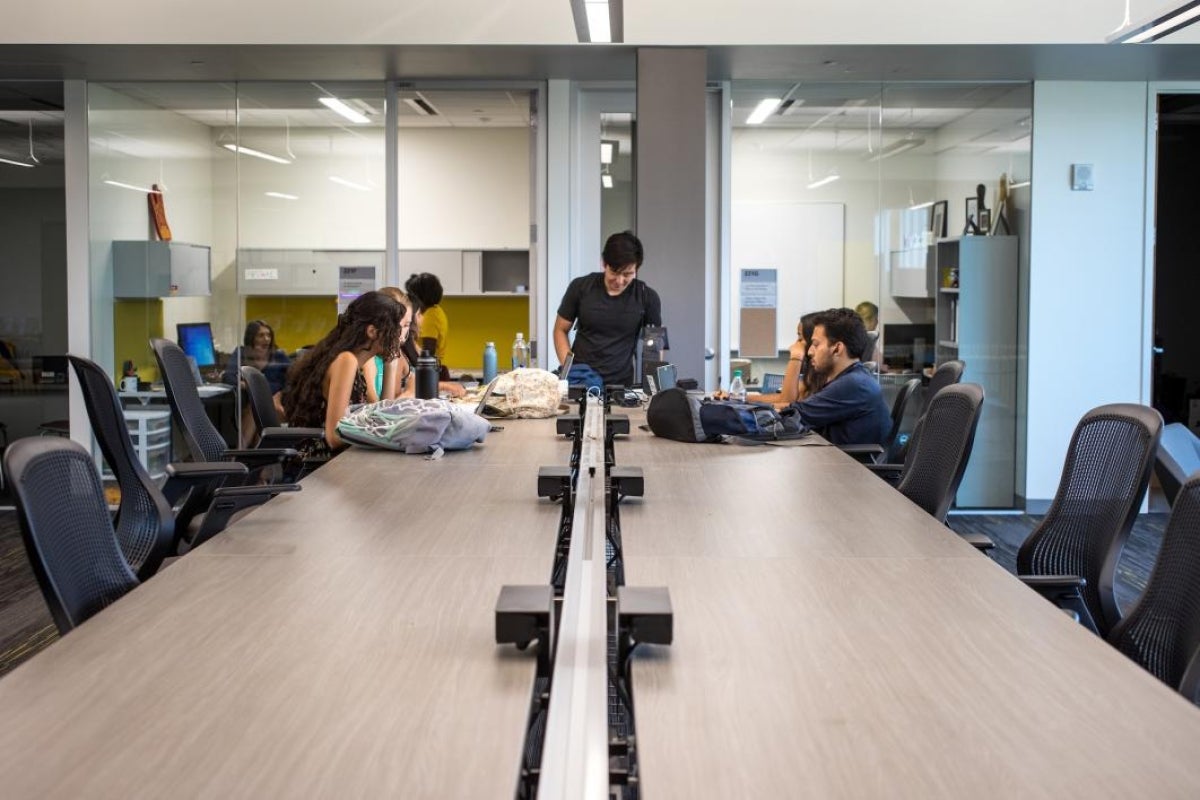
(972, 214)
(937, 219)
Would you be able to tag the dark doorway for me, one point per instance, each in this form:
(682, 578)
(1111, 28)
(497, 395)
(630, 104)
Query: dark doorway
(1176, 364)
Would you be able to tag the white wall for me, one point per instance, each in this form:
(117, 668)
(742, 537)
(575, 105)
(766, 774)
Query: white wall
(1087, 265)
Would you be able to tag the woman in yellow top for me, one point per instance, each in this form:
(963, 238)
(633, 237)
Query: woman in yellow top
(426, 289)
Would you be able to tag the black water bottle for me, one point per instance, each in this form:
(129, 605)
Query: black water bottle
(427, 376)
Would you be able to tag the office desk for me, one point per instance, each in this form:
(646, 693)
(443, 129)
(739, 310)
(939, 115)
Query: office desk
(337, 642)
(831, 640)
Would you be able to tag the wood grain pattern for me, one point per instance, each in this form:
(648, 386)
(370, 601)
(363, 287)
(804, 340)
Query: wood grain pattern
(336, 642)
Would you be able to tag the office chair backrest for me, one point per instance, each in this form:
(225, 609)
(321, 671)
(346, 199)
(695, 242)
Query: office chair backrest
(65, 525)
(948, 374)
(892, 445)
(1104, 479)
(1178, 456)
(187, 409)
(1162, 632)
(262, 403)
(145, 522)
(940, 448)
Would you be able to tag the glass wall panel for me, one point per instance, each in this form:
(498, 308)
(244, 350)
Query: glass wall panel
(857, 195)
(33, 264)
(465, 184)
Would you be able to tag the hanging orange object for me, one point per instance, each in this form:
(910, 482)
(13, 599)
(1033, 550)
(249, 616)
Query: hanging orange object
(158, 214)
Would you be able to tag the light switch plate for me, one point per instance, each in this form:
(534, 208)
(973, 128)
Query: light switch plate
(1081, 178)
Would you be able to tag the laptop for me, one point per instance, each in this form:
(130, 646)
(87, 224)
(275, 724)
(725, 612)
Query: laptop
(483, 409)
(665, 376)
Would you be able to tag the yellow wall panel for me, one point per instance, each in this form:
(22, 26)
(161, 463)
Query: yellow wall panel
(298, 320)
(135, 322)
(477, 320)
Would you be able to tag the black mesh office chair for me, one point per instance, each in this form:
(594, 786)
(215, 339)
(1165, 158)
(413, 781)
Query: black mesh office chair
(187, 410)
(948, 374)
(65, 524)
(890, 451)
(941, 447)
(1071, 557)
(152, 521)
(1162, 632)
(271, 433)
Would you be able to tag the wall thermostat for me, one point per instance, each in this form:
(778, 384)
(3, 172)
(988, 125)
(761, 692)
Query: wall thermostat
(1081, 178)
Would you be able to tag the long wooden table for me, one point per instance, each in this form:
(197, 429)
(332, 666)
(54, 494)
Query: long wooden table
(831, 640)
(337, 642)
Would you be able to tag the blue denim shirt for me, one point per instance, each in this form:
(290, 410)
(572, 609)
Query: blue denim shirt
(849, 409)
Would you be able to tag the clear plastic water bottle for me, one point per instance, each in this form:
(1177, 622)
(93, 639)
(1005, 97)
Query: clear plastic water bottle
(489, 362)
(737, 389)
(520, 352)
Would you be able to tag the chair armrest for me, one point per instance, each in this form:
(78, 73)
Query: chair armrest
(979, 541)
(1055, 584)
(229, 500)
(866, 453)
(288, 437)
(183, 478)
(888, 472)
(262, 456)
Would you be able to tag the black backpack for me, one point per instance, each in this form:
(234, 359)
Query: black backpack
(673, 414)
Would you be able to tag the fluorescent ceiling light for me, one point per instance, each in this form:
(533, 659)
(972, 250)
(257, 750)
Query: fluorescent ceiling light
(599, 29)
(1020, 185)
(246, 151)
(830, 178)
(763, 110)
(896, 148)
(919, 206)
(1157, 27)
(421, 106)
(145, 189)
(15, 163)
(282, 196)
(349, 184)
(606, 181)
(608, 150)
(334, 104)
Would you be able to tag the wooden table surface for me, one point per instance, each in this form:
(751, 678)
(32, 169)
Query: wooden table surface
(831, 640)
(337, 642)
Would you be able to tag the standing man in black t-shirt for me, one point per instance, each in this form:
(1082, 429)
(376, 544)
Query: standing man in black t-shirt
(611, 308)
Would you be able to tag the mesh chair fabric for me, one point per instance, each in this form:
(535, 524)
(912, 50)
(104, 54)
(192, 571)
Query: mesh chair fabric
(940, 448)
(65, 523)
(1162, 632)
(262, 404)
(202, 437)
(892, 446)
(1104, 478)
(145, 524)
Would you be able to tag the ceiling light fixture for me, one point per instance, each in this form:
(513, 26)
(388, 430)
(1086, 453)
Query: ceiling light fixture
(830, 178)
(606, 181)
(246, 151)
(143, 189)
(1020, 185)
(14, 163)
(349, 184)
(334, 104)
(599, 21)
(919, 206)
(763, 110)
(421, 106)
(282, 195)
(608, 150)
(899, 146)
(1162, 24)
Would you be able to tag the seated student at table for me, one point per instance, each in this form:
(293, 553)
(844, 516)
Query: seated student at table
(849, 408)
(328, 378)
(257, 350)
(434, 327)
(800, 380)
(611, 307)
(385, 380)
(869, 313)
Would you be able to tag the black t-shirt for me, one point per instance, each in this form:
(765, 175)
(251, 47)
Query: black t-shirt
(608, 326)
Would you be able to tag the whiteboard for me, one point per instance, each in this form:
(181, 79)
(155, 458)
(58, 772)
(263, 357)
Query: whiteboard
(805, 242)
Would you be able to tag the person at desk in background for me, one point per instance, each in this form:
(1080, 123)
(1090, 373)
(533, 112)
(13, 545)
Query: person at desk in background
(800, 380)
(433, 328)
(868, 312)
(611, 307)
(258, 350)
(328, 378)
(849, 408)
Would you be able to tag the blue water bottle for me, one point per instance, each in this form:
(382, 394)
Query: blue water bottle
(489, 362)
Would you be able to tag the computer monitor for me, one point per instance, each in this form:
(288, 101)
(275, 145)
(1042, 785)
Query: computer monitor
(908, 348)
(196, 340)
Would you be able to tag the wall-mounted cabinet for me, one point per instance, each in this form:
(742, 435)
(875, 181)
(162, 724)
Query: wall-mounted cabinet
(912, 272)
(300, 272)
(976, 321)
(160, 269)
(471, 272)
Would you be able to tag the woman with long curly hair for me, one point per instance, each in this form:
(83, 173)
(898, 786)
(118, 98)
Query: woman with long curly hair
(327, 379)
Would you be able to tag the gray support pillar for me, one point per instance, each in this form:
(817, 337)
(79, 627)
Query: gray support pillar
(670, 152)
